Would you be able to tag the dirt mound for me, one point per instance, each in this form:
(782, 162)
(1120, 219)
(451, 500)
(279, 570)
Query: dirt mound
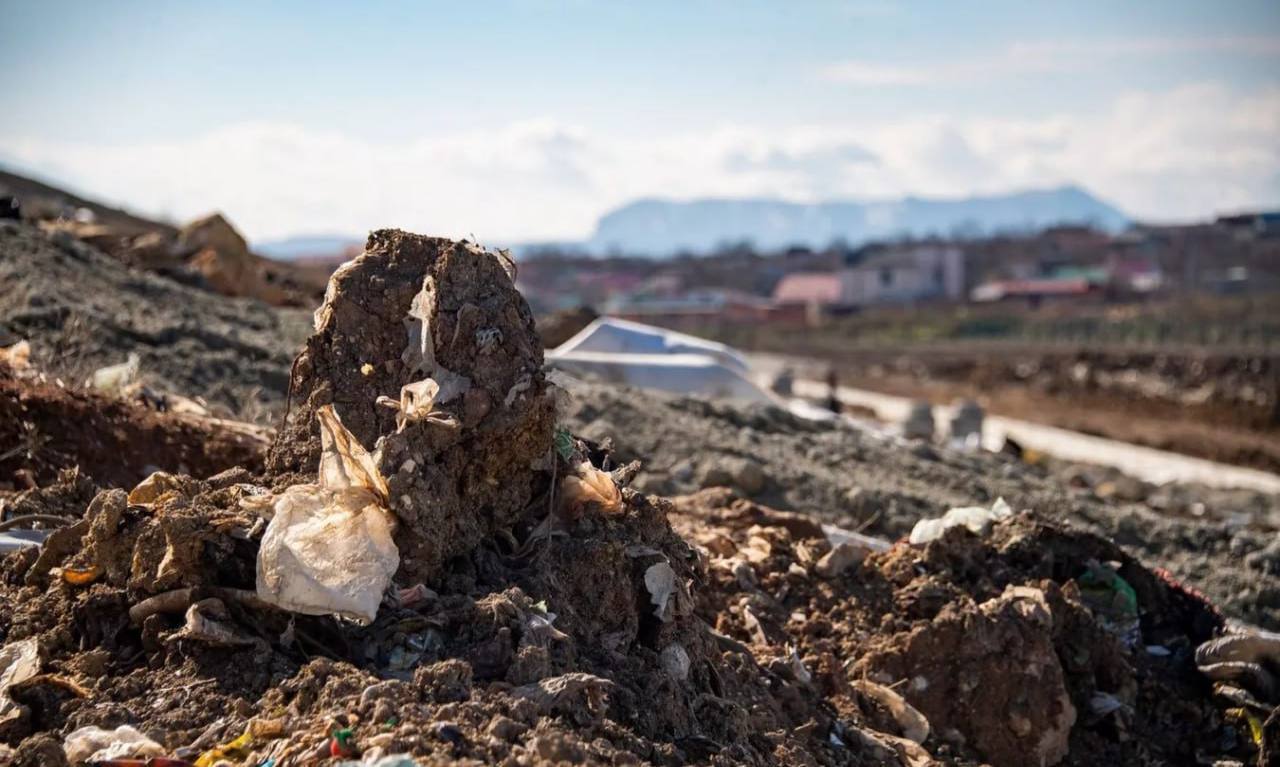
(554, 622)
(860, 480)
(83, 310)
(410, 307)
(1004, 644)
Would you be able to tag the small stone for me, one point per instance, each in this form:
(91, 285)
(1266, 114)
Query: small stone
(837, 561)
(448, 732)
(506, 729)
(675, 661)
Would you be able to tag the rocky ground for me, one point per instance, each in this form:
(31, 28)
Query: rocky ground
(550, 601)
(81, 310)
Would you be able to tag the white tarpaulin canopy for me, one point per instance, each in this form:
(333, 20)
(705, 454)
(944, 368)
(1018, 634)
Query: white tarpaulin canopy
(648, 357)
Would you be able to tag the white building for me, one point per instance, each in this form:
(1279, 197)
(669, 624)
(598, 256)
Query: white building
(911, 273)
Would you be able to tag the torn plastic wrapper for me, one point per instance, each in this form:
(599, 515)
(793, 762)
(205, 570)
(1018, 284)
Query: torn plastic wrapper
(19, 661)
(95, 744)
(420, 354)
(589, 488)
(328, 548)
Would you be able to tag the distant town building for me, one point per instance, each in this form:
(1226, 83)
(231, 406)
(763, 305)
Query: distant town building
(690, 308)
(898, 275)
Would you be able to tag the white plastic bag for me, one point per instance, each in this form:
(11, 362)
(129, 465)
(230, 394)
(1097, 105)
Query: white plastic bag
(19, 661)
(94, 744)
(328, 549)
(976, 518)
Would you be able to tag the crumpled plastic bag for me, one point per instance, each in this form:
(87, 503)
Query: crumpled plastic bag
(113, 378)
(328, 549)
(420, 353)
(94, 744)
(977, 518)
(19, 661)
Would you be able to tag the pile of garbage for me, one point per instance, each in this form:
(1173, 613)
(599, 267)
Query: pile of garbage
(431, 568)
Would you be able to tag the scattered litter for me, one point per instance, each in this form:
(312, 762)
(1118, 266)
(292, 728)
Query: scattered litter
(328, 547)
(1113, 600)
(420, 354)
(1245, 656)
(843, 556)
(19, 661)
(233, 750)
(95, 744)
(417, 403)
(81, 576)
(665, 591)
(912, 723)
(113, 378)
(977, 518)
(1103, 703)
(16, 540)
(17, 356)
(589, 489)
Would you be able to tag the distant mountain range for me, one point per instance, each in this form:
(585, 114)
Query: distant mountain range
(662, 227)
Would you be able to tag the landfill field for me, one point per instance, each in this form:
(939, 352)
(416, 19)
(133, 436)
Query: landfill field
(1209, 400)
(384, 533)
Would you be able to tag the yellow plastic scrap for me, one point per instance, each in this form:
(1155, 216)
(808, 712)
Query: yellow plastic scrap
(234, 750)
(81, 576)
(1248, 718)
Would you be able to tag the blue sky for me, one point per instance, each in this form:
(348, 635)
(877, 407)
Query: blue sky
(527, 119)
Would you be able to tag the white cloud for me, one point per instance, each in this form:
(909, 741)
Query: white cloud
(1182, 153)
(1039, 57)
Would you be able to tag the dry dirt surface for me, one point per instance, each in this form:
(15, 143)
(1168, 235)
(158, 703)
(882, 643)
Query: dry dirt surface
(82, 310)
(550, 606)
(1222, 542)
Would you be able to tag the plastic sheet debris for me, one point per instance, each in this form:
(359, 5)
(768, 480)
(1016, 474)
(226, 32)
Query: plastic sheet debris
(17, 356)
(16, 540)
(1248, 656)
(848, 549)
(912, 723)
(977, 518)
(589, 488)
(665, 592)
(95, 744)
(1113, 602)
(19, 661)
(420, 353)
(417, 403)
(113, 378)
(233, 750)
(328, 548)
(649, 357)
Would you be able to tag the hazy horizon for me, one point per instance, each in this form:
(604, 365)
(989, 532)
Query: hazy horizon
(528, 120)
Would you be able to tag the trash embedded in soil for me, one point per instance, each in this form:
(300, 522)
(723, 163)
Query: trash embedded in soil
(430, 570)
